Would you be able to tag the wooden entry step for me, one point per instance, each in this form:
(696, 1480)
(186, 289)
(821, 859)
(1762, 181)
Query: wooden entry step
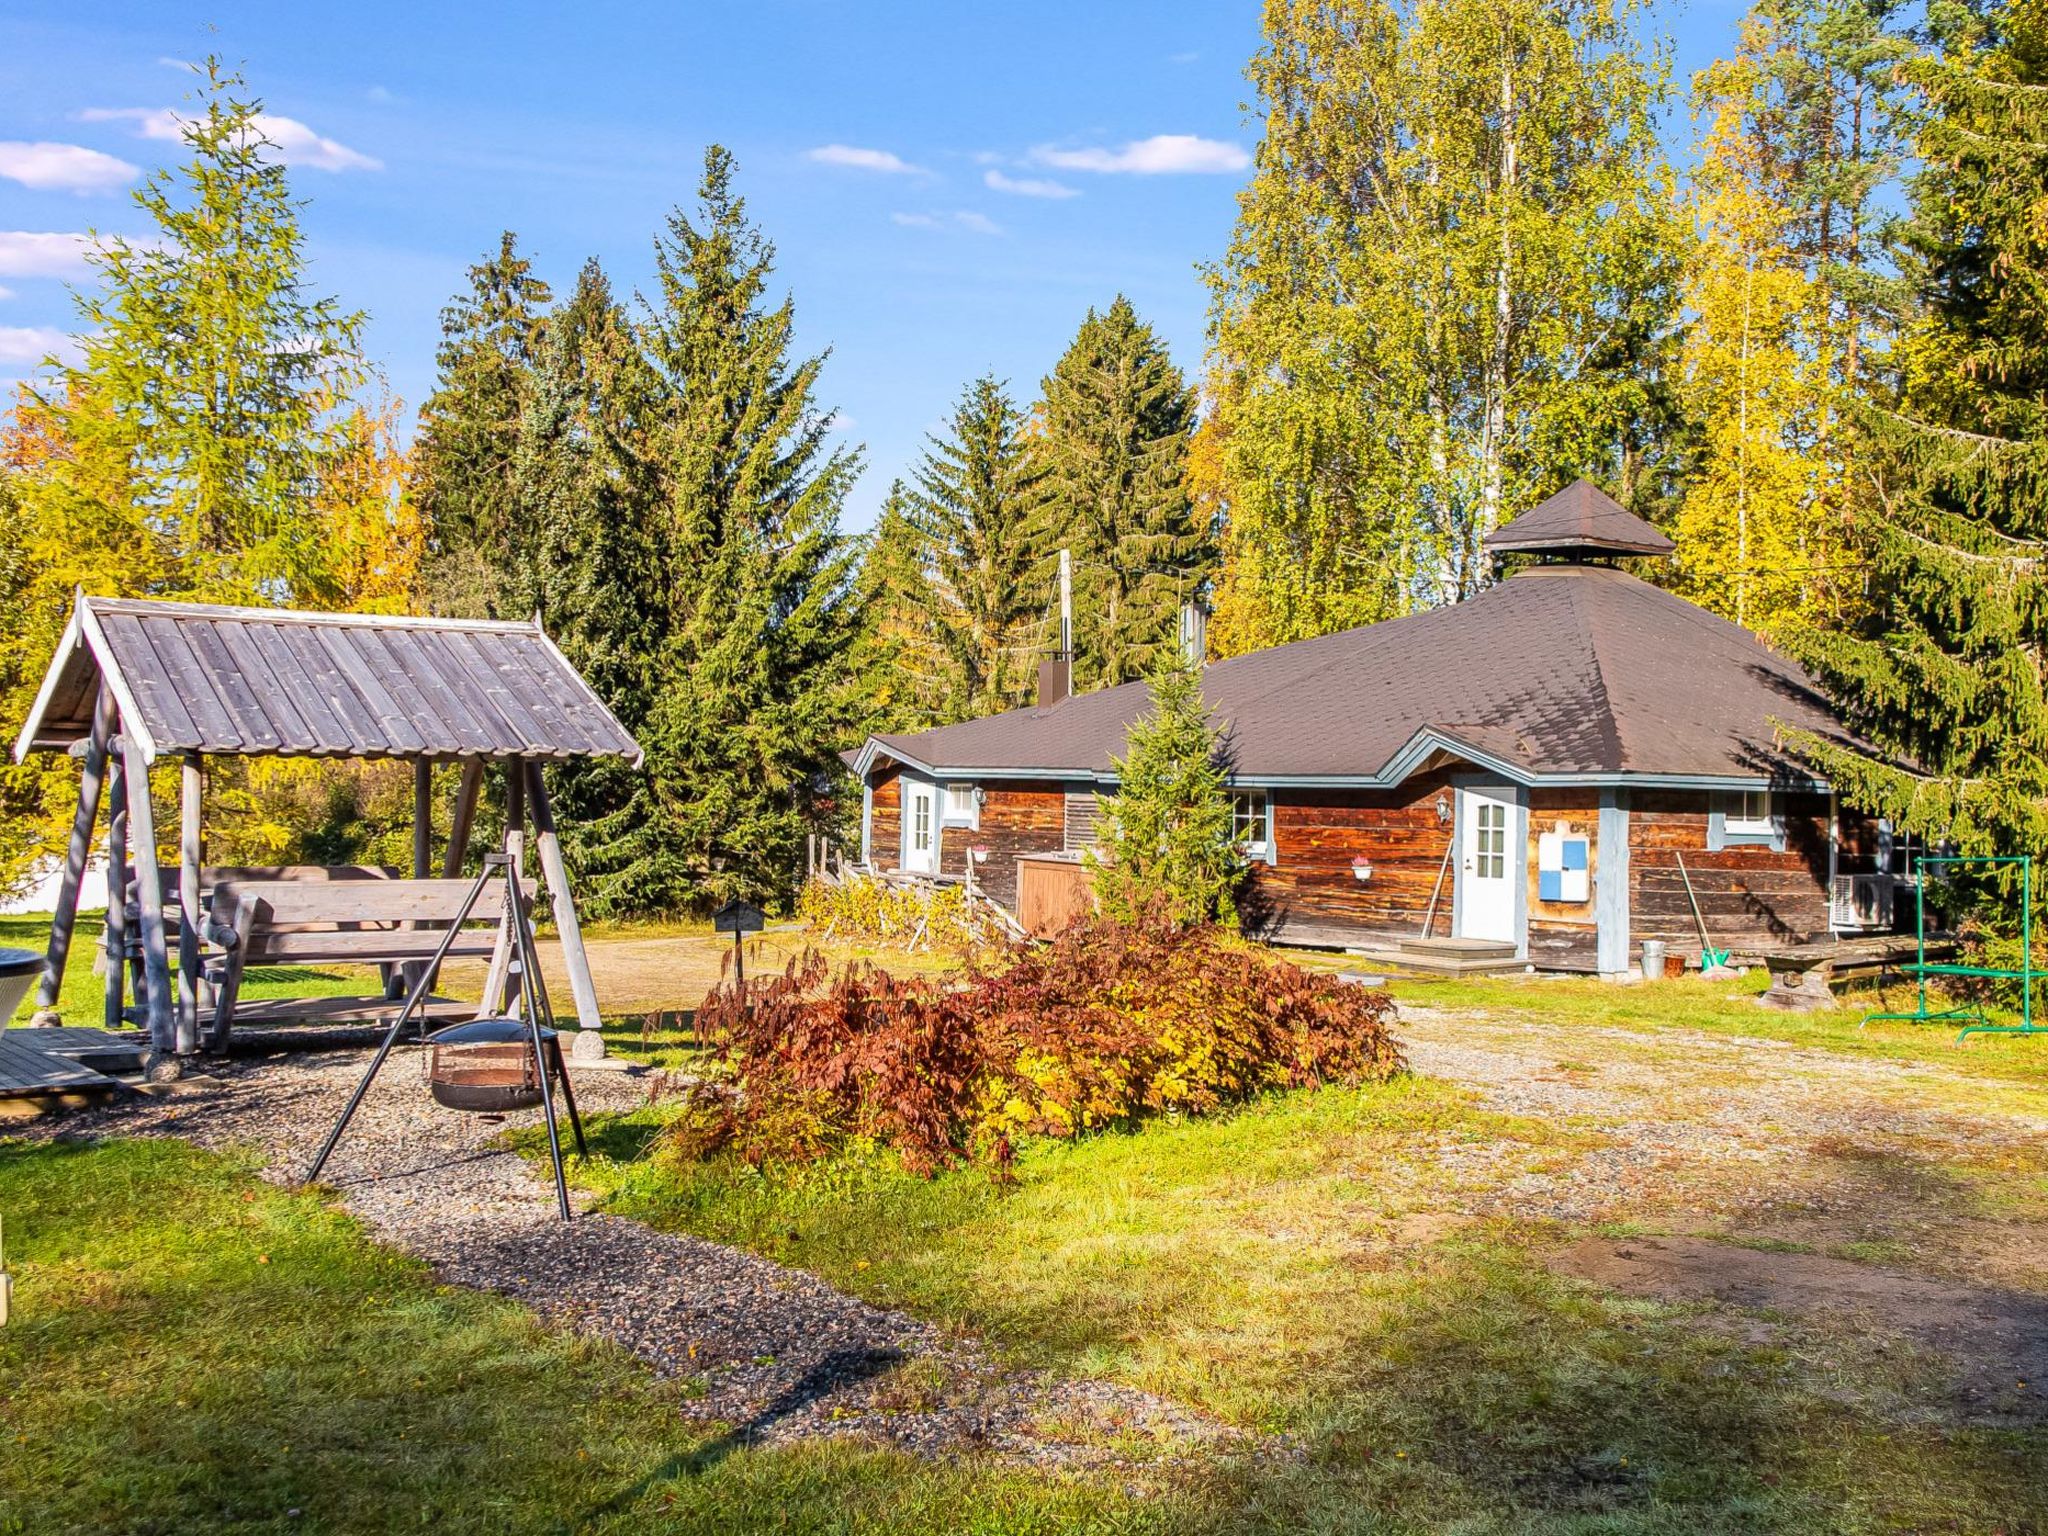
(1459, 949)
(1448, 957)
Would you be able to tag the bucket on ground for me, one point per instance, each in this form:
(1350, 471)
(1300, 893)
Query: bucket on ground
(1653, 959)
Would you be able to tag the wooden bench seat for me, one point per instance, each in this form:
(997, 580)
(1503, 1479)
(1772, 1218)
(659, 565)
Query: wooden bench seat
(344, 922)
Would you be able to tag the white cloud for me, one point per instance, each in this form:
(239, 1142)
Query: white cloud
(380, 95)
(1026, 186)
(1164, 154)
(963, 218)
(1182, 58)
(299, 144)
(62, 167)
(854, 158)
(30, 253)
(30, 344)
(6, 293)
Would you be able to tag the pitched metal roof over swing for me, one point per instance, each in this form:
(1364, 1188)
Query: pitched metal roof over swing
(191, 677)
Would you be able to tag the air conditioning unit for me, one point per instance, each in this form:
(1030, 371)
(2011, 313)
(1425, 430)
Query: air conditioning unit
(1861, 901)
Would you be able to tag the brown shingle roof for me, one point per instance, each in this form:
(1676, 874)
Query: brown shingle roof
(1561, 671)
(1581, 519)
(191, 677)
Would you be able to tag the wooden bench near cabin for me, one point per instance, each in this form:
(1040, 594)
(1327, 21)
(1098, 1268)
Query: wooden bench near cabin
(350, 915)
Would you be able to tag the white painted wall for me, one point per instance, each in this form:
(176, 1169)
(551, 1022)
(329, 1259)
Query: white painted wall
(42, 896)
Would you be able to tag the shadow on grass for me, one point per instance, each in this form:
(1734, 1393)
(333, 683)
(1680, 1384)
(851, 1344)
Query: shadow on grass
(841, 1368)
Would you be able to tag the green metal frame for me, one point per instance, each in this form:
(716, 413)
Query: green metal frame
(1923, 968)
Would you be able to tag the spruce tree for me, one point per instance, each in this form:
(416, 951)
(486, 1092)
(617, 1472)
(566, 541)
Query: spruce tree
(1115, 425)
(1947, 673)
(759, 609)
(1167, 840)
(584, 533)
(898, 673)
(469, 437)
(976, 496)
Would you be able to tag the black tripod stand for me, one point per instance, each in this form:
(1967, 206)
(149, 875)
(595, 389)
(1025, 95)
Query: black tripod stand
(536, 1026)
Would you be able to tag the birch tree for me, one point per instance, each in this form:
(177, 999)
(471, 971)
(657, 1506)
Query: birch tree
(1456, 243)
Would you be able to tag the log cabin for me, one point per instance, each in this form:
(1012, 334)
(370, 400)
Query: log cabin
(1531, 777)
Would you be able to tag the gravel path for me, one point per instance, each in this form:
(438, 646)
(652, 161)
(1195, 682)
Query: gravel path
(775, 1354)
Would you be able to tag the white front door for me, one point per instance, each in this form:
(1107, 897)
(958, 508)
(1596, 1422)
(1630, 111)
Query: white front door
(921, 828)
(1486, 872)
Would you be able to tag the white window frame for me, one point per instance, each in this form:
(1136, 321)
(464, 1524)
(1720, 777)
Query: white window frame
(954, 816)
(1251, 822)
(1738, 819)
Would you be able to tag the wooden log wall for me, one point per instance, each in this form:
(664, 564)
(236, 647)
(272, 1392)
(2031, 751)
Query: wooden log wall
(1750, 894)
(1026, 816)
(1311, 891)
(885, 826)
(1564, 935)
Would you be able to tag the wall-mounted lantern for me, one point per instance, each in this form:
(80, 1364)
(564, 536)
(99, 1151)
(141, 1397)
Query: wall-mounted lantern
(1443, 807)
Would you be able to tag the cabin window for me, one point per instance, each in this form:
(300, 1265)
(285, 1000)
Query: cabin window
(1749, 810)
(963, 809)
(1249, 823)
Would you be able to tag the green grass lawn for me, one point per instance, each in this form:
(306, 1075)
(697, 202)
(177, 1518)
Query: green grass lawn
(1289, 1267)
(194, 1350)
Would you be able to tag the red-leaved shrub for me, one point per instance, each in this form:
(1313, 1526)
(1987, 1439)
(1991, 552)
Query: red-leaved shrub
(1109, 1022)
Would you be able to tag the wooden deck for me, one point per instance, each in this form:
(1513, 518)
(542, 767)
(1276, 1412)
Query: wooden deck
(34, 1061)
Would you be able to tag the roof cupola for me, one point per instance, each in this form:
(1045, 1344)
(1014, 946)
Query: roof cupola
(1581, 523)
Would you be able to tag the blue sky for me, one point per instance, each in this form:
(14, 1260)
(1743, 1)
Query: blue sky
(949, 186)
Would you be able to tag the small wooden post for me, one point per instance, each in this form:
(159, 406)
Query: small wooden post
(459, 826)
(65, 921)
(190, 985)
(515, 839)
(549, 846)
(422, 819)
(464, 819)
(116, 934)
(149, 898)
(401, 979)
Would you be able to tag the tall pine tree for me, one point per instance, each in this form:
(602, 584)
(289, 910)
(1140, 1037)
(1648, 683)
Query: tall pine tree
(977, 493)
(899, 673)
(1114, 429)
(470, 430)
(1948, 671)
(759, 609)
(1791, 302)
(204, 397)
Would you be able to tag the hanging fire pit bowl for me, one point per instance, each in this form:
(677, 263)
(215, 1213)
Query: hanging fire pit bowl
(485, 1066)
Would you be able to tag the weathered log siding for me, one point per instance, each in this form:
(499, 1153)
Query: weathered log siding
(885, 824)
(1310, 893)
(1746, 894)
(1563, 935)
(1020, 817)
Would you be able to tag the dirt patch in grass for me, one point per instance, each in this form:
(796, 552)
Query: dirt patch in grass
(1992, 1343)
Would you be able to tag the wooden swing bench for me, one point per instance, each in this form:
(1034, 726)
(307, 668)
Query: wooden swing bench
(351, 915)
